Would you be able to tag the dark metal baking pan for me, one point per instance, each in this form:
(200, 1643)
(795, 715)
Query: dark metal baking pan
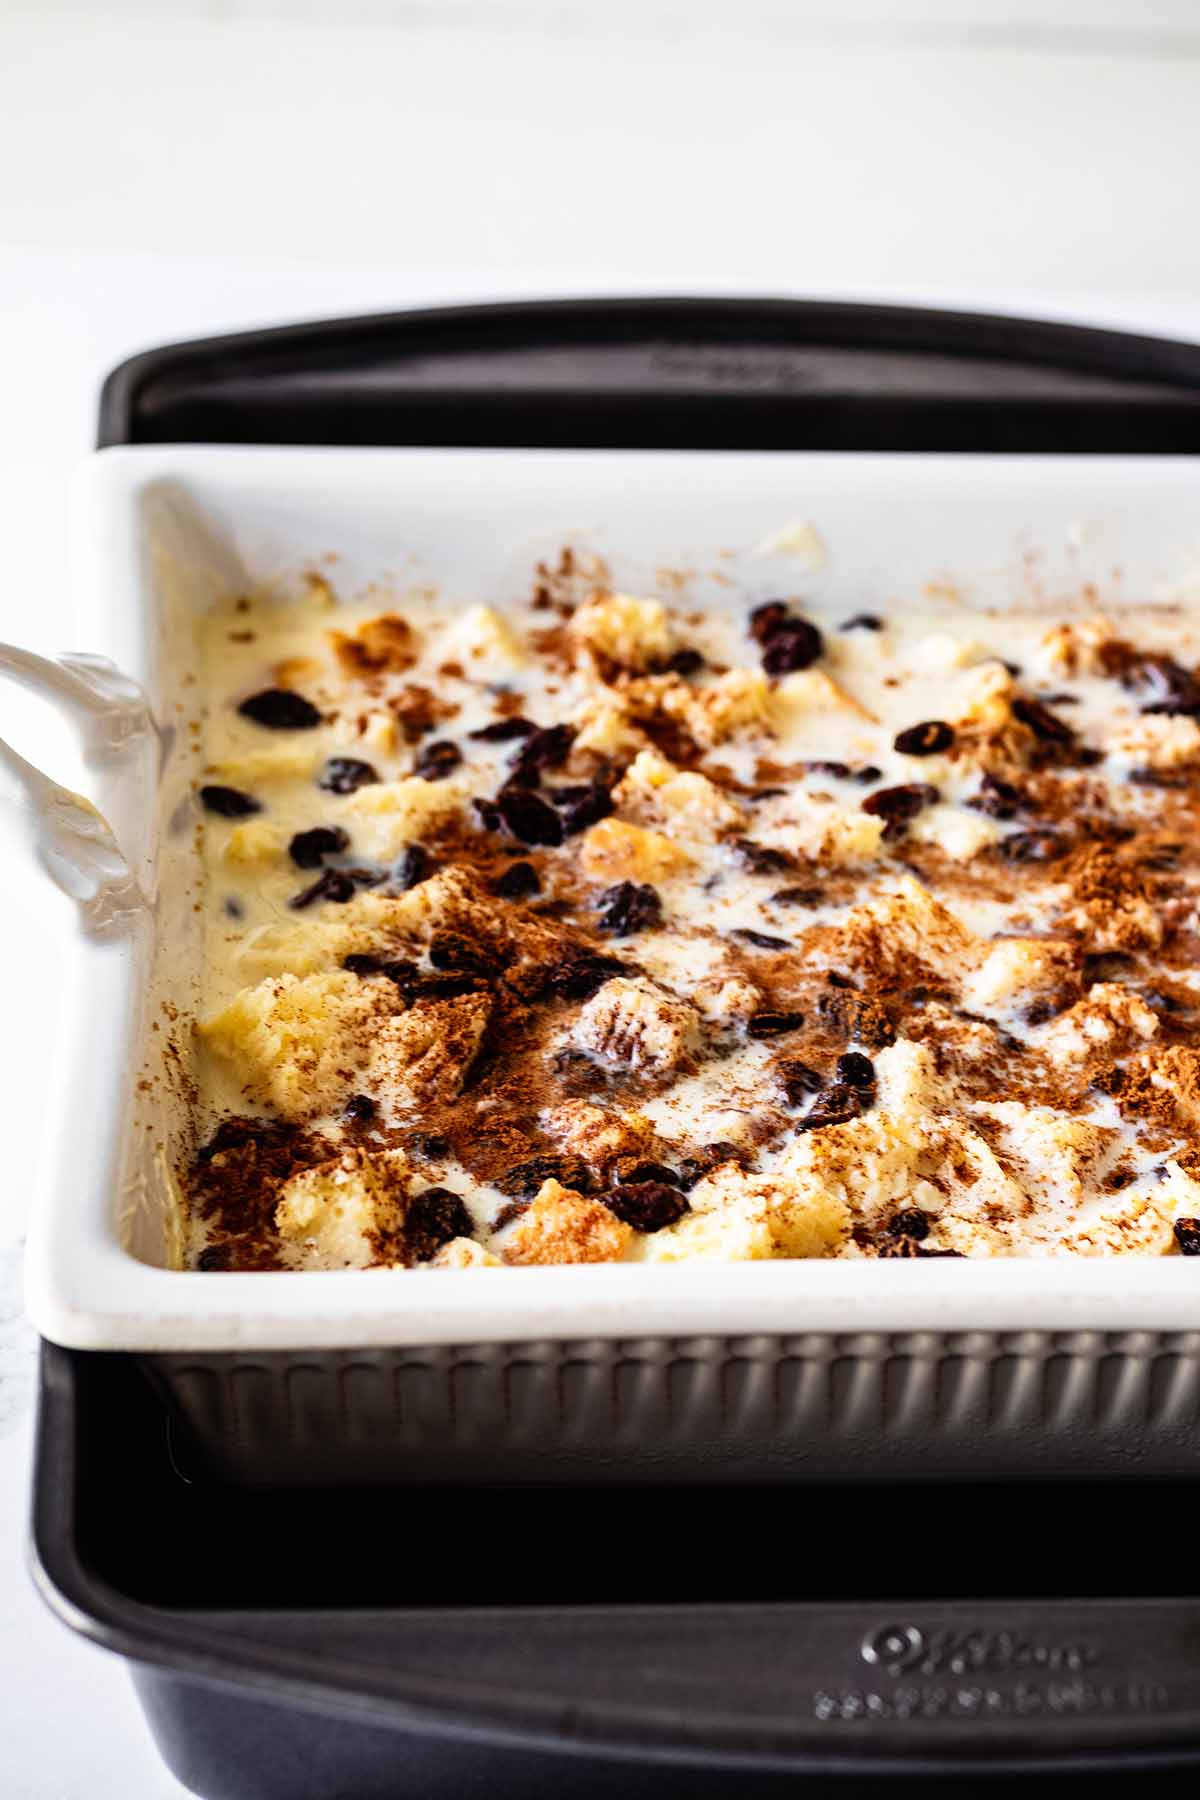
(452, 1641)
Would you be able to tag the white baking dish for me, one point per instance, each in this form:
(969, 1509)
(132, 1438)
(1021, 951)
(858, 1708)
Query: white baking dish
(158, 533)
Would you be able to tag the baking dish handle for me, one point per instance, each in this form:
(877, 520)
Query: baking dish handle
(70, 838)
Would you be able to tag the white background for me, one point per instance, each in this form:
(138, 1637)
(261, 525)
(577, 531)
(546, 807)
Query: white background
(173, 169)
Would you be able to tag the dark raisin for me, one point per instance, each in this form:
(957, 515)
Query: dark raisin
(581, 806)
(910, 1222)
(360, 1109)
(431, 1219)
(1162, 685)
(856, 1070)
(331, 884)
(630, 906)
(838, 771)
(1187, 1236)
(233, 907)
(925, 739)
(446, 985)
(862, 622)
(512, 1209)
(413, 866)
(648, 1171)
(687, 661)
(838, 981)
(366, 963)
(1032, 846)
(430, 1143)
(797, 896)
(528, 817)
(461, 955)
(1106, 965)
(646, 1205)
(1041, 721)
(797, 1080)
(279, 709)
(437, 760)
(1012, 668)
(503, 731)
(308, 849)
(518, 882)
(761, 859)
(577, 972)
(867, 774)
(524, 1179)
(215, 1259)
(796, 644)
(997, 799)
(835, 1106)
(547, 748)
(774, 1024)
(229, 803)
(703, 1161)
(766, 619)
(345, 775)
(761, 940)
(899, 805)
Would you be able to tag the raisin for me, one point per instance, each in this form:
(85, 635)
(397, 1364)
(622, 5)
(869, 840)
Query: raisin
(512, 1209)
(461, 955)
(1163, 685)
(862, 622)
(1041, 721)
(360, 1109)
(524, 1179)
(761, 859)
(331, 884)
(900, 805)
(773, 1024)
(1032, 846)
(308, 849)
(926, 739)
(762, 940)
(838, 771)
(793, 645)
(437, 760)
(629, 907)
(997, 799)
(430, 1143)
(645, 1205)
(581, 806)
(518, 882)
(431, 1219)
(366, 962)
(797, 896)
(345, 775)
(797, 1080)
(577, 972)
(648, 1171)
(528, 817)
(835, 1106)
(229, 803)
(214, 1259)
(866, 775)
(856, 1070)
(279, 709)
(547, 748)
(910, 1222)
(413, 866)
(703, 1161)
(1187, 1236)
(766, 619)
(503, 731)
(687, 661)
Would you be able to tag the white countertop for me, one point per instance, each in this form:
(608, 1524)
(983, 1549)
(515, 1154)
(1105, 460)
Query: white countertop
(199, 167)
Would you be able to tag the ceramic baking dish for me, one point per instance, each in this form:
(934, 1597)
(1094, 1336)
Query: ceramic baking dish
(160, 532)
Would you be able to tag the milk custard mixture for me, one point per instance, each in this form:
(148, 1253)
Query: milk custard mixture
(608, 927)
